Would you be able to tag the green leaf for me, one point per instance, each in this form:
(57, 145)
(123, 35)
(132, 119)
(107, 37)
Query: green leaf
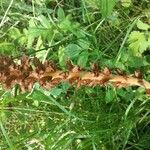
(83, 58)
(110, 94)
(14, 33)
(65, 24)
(106, 7)
(126, 3)
(137, 62)
(36, 103)
(11, 147)
(65, 86)
(143, 46)
(137, 43)
(7, 48)
(73, 50)
(92, 3)
(38, 94)
(56, 92)
(84, 43)
(32, 23)
(149, 41)
(45, 31)
(120, 65)
(142, 26)
(44, 21)
(62, 57)
(61, 14)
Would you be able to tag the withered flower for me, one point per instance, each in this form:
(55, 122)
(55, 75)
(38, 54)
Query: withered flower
(47, 75)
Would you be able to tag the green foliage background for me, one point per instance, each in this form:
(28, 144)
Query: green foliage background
(114, 33)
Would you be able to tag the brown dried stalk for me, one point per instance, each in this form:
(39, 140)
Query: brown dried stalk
(47, 75)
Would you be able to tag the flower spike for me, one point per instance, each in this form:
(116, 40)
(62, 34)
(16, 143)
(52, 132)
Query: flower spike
(47, 75)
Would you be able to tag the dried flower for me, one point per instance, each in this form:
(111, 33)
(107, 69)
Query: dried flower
(48, 76)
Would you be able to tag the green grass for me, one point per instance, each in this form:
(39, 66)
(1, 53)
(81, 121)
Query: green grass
(86, 31)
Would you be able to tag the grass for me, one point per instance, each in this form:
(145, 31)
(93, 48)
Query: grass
(65, 118)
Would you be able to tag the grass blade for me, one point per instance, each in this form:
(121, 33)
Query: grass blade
(6, 136)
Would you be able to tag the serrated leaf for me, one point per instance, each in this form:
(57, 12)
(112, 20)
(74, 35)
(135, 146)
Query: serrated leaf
(137, 43)
(143, 46)
(142, 26)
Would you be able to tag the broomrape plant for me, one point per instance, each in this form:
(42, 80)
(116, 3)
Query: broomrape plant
(48, 76)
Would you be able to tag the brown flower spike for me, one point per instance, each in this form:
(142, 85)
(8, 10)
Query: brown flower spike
(29, 71)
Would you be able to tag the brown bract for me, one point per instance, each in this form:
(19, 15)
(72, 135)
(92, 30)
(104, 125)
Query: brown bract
(29, 71)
